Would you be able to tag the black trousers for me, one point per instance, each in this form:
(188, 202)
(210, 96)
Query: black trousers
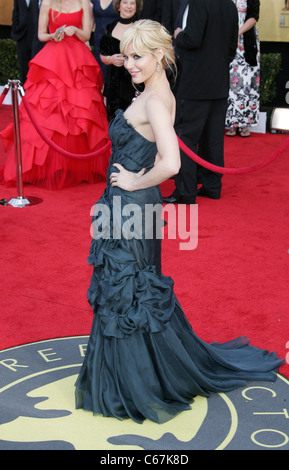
(200, 125)
(24, 54)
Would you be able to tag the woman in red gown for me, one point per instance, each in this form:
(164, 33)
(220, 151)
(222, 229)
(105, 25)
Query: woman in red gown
(64, 92)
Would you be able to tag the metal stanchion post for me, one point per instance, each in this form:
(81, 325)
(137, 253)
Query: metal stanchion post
(20, 201)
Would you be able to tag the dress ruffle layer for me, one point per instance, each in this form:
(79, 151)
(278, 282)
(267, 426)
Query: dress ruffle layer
(63, 89)
(125, 296)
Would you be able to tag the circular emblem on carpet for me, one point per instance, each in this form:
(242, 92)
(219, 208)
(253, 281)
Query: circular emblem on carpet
(37, 411)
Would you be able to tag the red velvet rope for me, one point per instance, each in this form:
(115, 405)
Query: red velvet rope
(184, 147)
(233, 171)
(53, 145)
(3, 94)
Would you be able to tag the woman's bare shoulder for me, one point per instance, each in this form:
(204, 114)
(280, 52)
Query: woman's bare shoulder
(161, 104)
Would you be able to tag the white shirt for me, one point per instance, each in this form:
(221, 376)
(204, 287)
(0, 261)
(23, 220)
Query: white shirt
(185, 17)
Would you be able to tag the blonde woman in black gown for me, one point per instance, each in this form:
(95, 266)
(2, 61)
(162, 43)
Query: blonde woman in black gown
(143, 359)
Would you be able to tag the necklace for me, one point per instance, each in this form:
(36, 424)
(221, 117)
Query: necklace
(136, 95)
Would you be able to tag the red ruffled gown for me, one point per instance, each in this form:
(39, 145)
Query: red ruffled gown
(63, 88)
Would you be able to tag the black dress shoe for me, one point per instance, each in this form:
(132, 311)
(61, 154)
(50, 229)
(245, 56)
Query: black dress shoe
(204, 193)
(173, 199)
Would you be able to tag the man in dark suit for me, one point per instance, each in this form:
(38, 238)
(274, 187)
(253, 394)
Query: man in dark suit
(36, 44)
(170, 11)
(206, 44)
(23, 31)
(152, 10)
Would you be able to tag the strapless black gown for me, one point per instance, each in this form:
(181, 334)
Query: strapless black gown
(143, 359)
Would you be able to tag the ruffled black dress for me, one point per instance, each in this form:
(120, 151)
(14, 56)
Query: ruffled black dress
(143, 359)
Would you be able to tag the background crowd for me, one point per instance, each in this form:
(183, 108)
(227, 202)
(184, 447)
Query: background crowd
(218, 59)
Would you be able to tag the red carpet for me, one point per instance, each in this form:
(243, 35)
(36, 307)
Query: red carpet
(235, 283)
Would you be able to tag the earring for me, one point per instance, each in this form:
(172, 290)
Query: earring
(158, 67)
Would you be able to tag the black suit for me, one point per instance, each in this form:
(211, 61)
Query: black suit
(206, 45)
(152, 10)
(36, 44)
(24, 28)
(170, 11)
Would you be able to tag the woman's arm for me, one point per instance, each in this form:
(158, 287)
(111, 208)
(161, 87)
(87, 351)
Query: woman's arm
(252, 16)
(107, 55)
(43, 22)
(247, 25)
(167, 162)
(116, 59)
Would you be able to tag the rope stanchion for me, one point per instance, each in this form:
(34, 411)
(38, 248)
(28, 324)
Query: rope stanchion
(17, 144)
(19, 201)
(233, 171)
(53, 144)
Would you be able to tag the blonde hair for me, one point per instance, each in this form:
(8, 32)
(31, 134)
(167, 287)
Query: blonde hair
(147, 37)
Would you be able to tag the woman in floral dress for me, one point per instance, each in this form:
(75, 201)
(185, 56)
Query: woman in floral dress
(243, 103)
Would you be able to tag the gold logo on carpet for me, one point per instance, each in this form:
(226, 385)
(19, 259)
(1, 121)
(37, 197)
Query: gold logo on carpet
(37, 411)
